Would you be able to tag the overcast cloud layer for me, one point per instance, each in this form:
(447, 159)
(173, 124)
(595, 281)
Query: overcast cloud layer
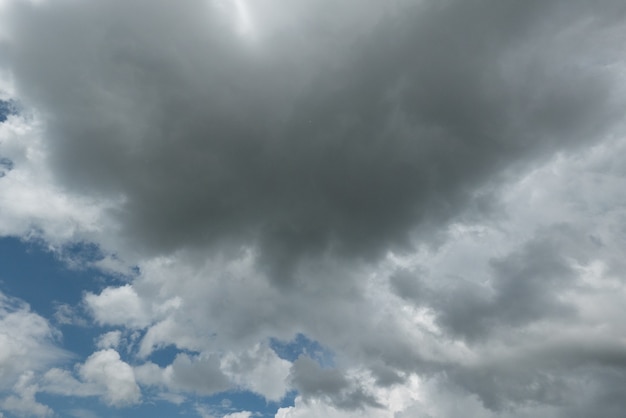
(433, 191)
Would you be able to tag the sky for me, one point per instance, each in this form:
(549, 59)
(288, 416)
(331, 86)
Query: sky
(312, 208)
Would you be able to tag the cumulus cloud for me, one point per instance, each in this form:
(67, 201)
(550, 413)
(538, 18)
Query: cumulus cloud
(28, 345)
(63, 382)
(27, 341)
(117, 306)
(431, 190)
(259, 370)
(105, 368)
(23, 402)
(199, 374)
(111, 339)
(103, 374)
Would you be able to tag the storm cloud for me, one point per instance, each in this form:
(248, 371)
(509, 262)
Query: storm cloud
(340, 141)
(429, 189)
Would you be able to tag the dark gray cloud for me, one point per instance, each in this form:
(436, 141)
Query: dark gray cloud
(336, 141)
(557, 376)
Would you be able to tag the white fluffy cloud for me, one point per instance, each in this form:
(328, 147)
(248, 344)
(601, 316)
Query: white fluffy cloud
(110, 339)
(103, 374)
(318, 408)
(23, 402)
(106, 369)
(27, 341)
(259, 370)
(118, 306)
(28, 345)
(243, 414)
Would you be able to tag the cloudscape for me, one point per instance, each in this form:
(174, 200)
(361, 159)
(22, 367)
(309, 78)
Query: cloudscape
(312, 208)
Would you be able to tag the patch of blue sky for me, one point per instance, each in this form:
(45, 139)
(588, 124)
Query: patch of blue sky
(30, 272)
(83, 252)
(6, 165)
(8, 107)
(302, 345)
(164, 356)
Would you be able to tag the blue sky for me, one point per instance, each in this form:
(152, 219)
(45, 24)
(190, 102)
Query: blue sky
(238, 208)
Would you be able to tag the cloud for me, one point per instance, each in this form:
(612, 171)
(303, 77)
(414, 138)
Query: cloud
(105, 368)
(507, 329)
(314, 408)
(523, 308)
(33, 204)
(259, 370)
(243, 414)
(199, 374)
(118, 305)
(65, 314)
(23, 402)
(347, 160)
(313, 382)
(524, 287)
(28, 346)
(111, 339)
(103, 374)
(27, 342)
(430, 190)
